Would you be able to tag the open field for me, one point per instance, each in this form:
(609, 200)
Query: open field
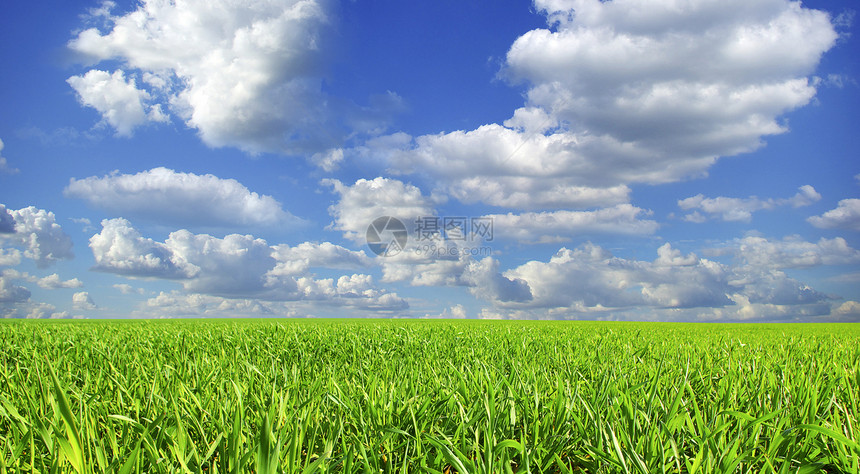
(427, 396)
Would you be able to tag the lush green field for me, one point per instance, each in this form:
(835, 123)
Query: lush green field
(427, 396)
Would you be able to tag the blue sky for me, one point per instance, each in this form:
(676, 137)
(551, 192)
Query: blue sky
(645, 160)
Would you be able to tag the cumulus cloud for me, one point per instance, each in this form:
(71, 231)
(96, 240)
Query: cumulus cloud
(119, 101)
(790, 252)
(53, 281)
(30, 310)
(179, 198)
(360, 204)
(37, 233)
(240, 267)
(119, 248)
(848, 311)
(741, 209)
(4, 166)
(845, 216)
(589, 281)
(628, 92)
(241, 75)
(301, 258)
(82, 301)
(590, 277)
(232, 267)
(556, 226)
(177, 304)
(10, 257)
(486, 281)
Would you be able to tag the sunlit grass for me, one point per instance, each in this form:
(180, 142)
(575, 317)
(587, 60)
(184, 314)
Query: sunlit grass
(427, 396)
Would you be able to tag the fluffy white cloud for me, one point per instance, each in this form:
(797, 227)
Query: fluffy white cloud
(556, 226)
(119, 248)
(741, 209)
(36, 232)
(30, 310)
(590, 277)
(360, 204)
(845, 216)
(240, 267)
(119, 101)
(486, 281)
(629, 92)
(9, 257)
(4, 166)
(590, 281)
(82, 301)
(234, 266)
(53, 281)
(242, 75)
(173, 197)
(790, 252)
(176, 304)
(301, 258)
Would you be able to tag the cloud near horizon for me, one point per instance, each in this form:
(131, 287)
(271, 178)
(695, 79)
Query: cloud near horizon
(240, 267)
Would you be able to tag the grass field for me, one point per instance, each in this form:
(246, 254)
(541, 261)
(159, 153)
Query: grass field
(270, 396)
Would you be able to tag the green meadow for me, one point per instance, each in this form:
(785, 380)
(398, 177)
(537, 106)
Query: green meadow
(272, 396)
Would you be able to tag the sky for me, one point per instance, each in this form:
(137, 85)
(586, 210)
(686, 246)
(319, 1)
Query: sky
(656, 160)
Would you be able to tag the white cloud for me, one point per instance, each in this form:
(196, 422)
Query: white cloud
(121, 104)
(234, 266)
(845, 216)
(37, 233)
(127, 289)
(172, 197)
(328, 160)
(4, 166)
(741, 209)
(9, 257)
(240, 267)
(791, 252)
(176, 304)
(301, 258)
(590, 277)
(591, 282)
(453, 312)
(241, 75)
(628, 92)
(119, 248)
(53, 281)
(848, 311)
(82, 301)
(360, 204)
(486, 282)
(30, 310)
(555, 226)
(507, 167)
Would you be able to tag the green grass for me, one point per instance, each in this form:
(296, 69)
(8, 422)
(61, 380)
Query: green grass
(270, 396)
